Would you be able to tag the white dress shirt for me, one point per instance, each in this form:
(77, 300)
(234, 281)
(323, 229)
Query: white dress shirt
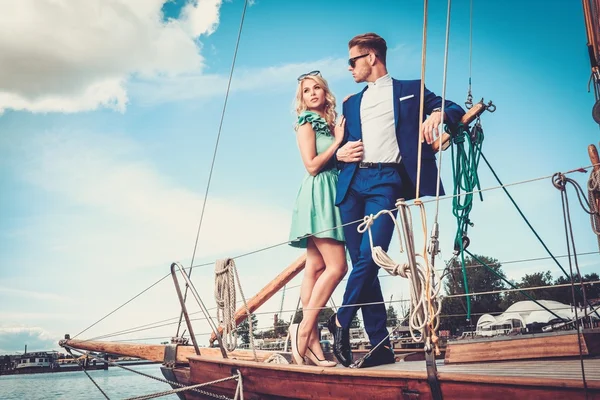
(377, 122)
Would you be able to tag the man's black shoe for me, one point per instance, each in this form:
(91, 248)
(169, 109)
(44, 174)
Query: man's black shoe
(382, 355)
(341, 342)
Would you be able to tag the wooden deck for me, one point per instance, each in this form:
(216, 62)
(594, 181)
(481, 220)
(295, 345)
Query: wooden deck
(523, 379)
(553, 379)
(537, 346)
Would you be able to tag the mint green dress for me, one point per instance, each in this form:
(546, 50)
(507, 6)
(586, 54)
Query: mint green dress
(315, 210)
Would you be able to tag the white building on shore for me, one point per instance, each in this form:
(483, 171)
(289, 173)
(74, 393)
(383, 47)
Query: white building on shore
(525, 314)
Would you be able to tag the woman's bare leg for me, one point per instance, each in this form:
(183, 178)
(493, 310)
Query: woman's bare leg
(333, 253)
(315, 265)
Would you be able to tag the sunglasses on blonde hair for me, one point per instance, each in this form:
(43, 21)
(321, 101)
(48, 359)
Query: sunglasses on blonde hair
(311, 73)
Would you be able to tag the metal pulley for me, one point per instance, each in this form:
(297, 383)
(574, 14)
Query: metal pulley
(596, 112)
(465, 243)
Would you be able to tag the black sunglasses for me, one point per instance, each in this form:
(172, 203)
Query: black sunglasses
(352, 61)
(311, 73)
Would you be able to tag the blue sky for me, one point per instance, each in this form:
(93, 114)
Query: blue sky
(109, 126)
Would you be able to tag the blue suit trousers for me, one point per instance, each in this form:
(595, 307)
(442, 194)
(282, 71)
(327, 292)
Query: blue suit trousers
(371, 190)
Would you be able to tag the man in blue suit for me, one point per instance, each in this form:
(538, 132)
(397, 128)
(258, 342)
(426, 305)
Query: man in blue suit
(378, 165)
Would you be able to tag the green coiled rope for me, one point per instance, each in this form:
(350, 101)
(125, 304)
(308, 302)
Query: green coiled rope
(465, 161)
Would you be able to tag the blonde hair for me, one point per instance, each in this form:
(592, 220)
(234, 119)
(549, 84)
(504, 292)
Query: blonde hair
(330, 113)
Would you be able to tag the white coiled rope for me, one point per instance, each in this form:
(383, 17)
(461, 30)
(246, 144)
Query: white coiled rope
(225, 277)
(424, 308)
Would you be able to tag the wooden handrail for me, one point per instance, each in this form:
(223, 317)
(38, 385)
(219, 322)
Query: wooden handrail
(156, 352)
(593, 153)
(469, 117)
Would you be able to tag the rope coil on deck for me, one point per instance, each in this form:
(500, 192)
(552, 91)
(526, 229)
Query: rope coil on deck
(425, 305)
(225, 277)
(225, 299)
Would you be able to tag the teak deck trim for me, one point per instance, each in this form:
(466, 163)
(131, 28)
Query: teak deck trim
(489, 373)
(538, 346)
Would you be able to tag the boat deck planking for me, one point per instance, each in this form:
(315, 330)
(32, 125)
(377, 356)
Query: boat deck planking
(556, 379)
(545, 345)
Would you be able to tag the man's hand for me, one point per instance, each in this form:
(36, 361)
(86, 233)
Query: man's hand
(350, 152)
(429, 129)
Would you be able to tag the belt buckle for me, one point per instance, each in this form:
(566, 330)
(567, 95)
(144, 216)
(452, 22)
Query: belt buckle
(364, 165)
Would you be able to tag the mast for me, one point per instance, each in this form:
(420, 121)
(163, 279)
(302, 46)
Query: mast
(591, 13)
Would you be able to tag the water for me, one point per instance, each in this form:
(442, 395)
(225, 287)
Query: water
(117, 383)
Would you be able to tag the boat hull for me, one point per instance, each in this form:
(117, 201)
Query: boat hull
(276, 381)
(291, 382)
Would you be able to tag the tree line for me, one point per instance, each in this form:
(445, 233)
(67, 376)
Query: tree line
(481, 280)
(493, 297)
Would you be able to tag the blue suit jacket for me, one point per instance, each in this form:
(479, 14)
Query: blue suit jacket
(406, 114)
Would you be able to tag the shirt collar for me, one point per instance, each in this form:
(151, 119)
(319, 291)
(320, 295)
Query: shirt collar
(383, 81)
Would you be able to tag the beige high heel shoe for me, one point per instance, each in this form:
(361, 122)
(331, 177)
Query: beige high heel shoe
(294, 339)
(317, 361)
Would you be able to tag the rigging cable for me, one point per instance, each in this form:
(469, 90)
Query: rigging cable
(123, 305)
(439, 180)
(491, 292)
(283, 311)
(429, 313)
(85, 371)
(464, 171)
(469, 101)
(493, 271)
(460, 295)
(195, 388)
(432, 377)
(214, 157)
(422, 100)
(434, 242)
(527, 221)
(560, 182)
(447, 197)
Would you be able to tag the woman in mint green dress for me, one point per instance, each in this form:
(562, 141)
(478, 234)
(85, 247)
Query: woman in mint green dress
(316, 222)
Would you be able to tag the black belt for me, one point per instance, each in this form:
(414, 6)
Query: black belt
(377, 165)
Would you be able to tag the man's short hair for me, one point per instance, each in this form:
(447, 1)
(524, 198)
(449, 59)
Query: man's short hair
(371, 42)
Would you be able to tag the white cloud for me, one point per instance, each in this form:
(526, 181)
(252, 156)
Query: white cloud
(107, 93)
(71, 55)
(197, 85)
(112, 225)
(29, 317)
(31, 294)
(14, 339)
(123, 204)
(201, 17)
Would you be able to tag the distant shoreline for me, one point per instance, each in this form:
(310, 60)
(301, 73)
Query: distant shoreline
(71, 368)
